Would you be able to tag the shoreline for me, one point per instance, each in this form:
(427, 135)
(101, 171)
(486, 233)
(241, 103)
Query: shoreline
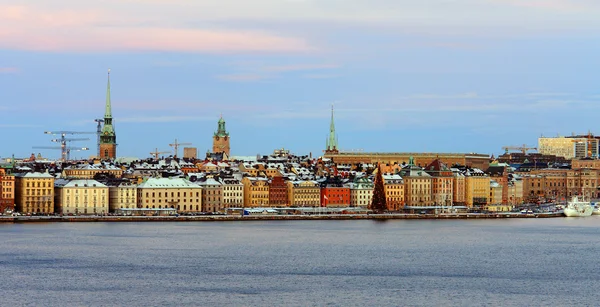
(231, 218)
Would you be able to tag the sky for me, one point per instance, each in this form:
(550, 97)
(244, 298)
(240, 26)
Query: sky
(402, 75)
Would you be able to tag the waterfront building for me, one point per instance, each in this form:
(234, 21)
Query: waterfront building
(499, 173)
(81, 197)
(417, 185)
(585, 163)
(34, 193)
(458, 187)
(304, 193)
(361, 192)
(477, 187)
(515, 191)
(495, 196)
(256, 191)
(278, 192)
(221, 140)
(122, 196)
(89, 171)
(7, 194)
(334, 193)
(394, 188)
(233, 193)
(175, 193)
(441, 182)
(212, 195)
(108, 137)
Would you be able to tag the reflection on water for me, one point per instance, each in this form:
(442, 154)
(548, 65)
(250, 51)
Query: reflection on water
(303, 263)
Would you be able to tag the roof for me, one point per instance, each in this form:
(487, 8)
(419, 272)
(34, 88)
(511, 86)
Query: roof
(34, 175)
(168, 183)
(80, 183)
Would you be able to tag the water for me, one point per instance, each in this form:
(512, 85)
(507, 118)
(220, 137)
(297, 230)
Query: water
(517, 262)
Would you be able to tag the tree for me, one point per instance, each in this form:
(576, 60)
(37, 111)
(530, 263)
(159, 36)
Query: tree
(378, 202)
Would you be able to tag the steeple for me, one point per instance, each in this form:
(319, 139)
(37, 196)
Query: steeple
(332, 143)
(221, 131)
(107, 112)
(108, 137)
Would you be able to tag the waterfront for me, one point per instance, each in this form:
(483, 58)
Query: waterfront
(501, 262)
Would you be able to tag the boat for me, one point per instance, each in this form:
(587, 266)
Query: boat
(578, 207)
(596, 210)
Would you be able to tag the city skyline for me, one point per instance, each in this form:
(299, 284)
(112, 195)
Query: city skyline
(404, 76)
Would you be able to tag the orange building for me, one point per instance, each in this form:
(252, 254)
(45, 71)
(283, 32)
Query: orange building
(334, 193)
(7, 194)
(278, 192)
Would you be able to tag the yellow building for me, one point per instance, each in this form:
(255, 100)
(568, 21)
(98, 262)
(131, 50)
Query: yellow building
(304, 193)
(567, 147)
(393, 186)
(477, 188)
(417, 185)
(176, 193)
(123, 196)
(212, 195)
(515, 192)
(458, 188)
(233, 193)
(7, 194)
(81, 196)
(87, 171)
(256, 192)
(495, 196)
(34, 193)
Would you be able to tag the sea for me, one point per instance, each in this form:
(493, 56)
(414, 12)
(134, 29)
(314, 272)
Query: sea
(496, 262)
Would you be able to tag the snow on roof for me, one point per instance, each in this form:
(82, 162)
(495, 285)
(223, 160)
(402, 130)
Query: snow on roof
(167, 183)
(34, 175)
(209, 181)
(81, 183)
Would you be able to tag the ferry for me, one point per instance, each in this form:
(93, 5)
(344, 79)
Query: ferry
(578, 207)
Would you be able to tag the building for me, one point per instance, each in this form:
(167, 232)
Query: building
(212, 195)
(87, 171)
(477, 188)
(122, 196)
(495, 196)
(278, 192)
(108, 137)
(417, 185)
(81, 197)
(34, 193)
(304, 193)
(570, 147)
(499, 173)
(221, 139)
(175, 193)
(361, 192)
(441, 184)
(256, 191)
(7, 194)
(233, 193)
(458, 188)
(334, 193)
(393, 186)
(190, 153)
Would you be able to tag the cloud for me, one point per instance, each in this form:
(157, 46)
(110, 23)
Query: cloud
(29, 28)
(300, 67)
(163, 119)
(242, 77)
(254, 72)
(8, 70)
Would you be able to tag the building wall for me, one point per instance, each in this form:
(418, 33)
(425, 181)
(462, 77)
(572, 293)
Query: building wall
(558, 146)
(82, 200)
(184, 199)
(212, 198)
(420, 159)
(304, 194)
(458, 190)
(221, 144)
(90, 173)
(335, 197)
(394, 194)
(233, 195)
(122, 196)
(108, 151)
(495, 196)
(477, 190)
(418, 191)
(34, 194)
(278, 192)
(256, 192)
(7, 194)
(442, 190)
(190, 152)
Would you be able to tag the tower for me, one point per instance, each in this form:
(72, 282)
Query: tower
(221, 138)
(332, 143)
(108, 138)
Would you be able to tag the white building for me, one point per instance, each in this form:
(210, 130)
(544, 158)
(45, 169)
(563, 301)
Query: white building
(81, 196)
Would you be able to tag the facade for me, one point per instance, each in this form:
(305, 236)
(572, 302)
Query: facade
(361, 192)
(477, 188)
(212, 195)
(515, 192)
(304, 194)
(458, 188)
(393, 186)
(256, 192)
(495, 196)
(108, 137)
(233, 193)
(417, 185)
(499, 174)
(571, 147)
(585, 163)
(81, 197)
(221, 139)
(163, 193)
(334, 193)
(278, 192)
(190, 153)
(87, 171)
(122, 196)
(441, 184)
(7, 194)
(34, 193)
(420, 159)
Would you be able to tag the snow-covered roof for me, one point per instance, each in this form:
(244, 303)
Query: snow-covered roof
(80, 183)
(167, 183)
(34, 175)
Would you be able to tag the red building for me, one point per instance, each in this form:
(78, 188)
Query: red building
(334, 193)
(278, 192)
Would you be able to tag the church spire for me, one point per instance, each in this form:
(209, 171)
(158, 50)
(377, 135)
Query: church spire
(332, 143)
(108, 112)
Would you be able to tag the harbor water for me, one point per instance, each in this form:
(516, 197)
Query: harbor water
(511, 262)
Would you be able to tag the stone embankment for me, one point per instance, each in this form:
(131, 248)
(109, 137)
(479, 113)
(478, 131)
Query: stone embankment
(214, 218)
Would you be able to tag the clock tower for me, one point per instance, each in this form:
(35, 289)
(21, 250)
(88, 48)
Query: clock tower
(221, 139)
(108, 138)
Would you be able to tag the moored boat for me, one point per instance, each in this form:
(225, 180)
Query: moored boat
(596, 210)
(578, 207)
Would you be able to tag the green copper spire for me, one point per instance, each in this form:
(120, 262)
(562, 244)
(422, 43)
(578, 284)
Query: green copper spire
(221, 131)
(332, 143)
(108, 132)
(107, 112)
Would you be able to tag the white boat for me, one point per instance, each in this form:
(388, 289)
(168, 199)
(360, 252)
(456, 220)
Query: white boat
(578, 207)
(596, 210)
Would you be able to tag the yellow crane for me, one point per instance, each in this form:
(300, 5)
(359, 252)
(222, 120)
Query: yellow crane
(523, 148)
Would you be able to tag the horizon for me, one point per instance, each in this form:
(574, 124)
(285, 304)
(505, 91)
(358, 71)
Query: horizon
(403, 76)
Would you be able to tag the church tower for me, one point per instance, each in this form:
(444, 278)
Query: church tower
(332, 142)
(108, 138)
(221, 139)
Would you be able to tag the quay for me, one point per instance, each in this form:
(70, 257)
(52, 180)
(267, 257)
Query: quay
(267, 217)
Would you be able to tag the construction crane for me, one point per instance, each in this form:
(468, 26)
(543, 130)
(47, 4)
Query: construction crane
(524, 148)
(63, 141)
(156, 153)
(99, 132)
(176, 147)
(64, 149)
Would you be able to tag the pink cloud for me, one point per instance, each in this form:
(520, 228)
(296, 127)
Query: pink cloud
(25, 28)
(300, 67)
(8, 70)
